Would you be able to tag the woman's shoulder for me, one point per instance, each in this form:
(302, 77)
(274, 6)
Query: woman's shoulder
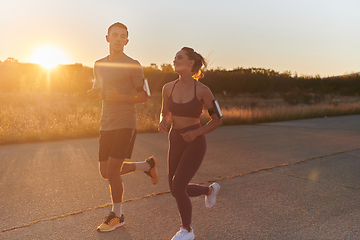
(168, 87)
(169, 84)
(200, 87)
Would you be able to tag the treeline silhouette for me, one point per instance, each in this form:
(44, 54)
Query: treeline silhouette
(77, 79)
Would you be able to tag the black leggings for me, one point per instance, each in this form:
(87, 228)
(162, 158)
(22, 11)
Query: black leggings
(183, 162)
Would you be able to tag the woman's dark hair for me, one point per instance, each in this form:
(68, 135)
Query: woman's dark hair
(199, 65)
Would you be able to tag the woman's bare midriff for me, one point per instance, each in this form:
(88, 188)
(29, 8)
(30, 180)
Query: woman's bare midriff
(183, 122)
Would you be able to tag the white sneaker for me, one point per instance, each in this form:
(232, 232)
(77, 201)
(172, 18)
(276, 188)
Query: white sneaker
(184, 234)
(211, 199)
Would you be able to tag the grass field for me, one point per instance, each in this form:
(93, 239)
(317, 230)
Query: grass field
(33, 117)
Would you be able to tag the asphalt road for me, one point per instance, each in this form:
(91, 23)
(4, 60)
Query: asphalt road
(284, 180)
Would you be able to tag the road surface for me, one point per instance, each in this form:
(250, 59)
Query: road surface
(285, 180)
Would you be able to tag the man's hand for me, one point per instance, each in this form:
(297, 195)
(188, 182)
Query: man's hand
(94, 93)
(112, 95)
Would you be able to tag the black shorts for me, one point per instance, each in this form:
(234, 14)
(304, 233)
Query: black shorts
(117, 143)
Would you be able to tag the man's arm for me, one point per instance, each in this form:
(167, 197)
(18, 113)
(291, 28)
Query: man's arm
(95, 91)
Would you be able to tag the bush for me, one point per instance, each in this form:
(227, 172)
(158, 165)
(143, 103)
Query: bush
(296, 96)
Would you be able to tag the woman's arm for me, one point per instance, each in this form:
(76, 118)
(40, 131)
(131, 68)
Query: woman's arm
(164, 114)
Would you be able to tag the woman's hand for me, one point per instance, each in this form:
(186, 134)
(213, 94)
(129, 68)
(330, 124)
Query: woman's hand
(189, 136)
(162, 127)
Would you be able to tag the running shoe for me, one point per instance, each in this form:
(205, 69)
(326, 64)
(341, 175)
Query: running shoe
(211, 199)
(184, 234)
(153, 173)
(111, 223)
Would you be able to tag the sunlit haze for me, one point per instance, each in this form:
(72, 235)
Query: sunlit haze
(309, 37)
(49, 57)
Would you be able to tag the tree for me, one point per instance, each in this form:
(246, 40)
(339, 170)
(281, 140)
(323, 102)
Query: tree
(166, 68)
(11, 60)
(154, 66)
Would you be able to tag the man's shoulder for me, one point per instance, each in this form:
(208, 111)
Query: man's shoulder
(130, 60)
(100, 61)
(124, 61)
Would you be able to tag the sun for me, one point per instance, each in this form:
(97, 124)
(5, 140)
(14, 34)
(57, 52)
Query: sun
(49, 57)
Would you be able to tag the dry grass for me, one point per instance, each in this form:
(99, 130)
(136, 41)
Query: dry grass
(249, 109)
(28, 117)
(31, 117)
(237, 116)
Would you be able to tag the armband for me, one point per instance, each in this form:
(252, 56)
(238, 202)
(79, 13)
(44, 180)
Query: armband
(144, 88)
(216, 109)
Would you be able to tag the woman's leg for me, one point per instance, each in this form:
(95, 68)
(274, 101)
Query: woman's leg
(186, 168)
(176, 148)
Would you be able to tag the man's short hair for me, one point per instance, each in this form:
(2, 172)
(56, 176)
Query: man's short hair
(120, 25)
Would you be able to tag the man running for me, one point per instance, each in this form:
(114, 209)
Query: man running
(119, 81)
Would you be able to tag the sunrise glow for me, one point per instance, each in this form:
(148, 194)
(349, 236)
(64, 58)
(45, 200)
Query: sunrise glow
(49, 57)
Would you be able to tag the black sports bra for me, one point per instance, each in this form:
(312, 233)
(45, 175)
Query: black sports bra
(191, 109)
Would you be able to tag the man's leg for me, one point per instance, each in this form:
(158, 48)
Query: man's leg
(114, 166)
(110, 170)
(119, 144)
(149, 166)
(129, 167)
(103, 169)
(114, 147)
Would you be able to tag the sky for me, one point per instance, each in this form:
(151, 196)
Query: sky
(309, 37)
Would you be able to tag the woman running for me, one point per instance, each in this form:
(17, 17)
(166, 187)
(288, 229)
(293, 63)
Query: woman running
(183, 100)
